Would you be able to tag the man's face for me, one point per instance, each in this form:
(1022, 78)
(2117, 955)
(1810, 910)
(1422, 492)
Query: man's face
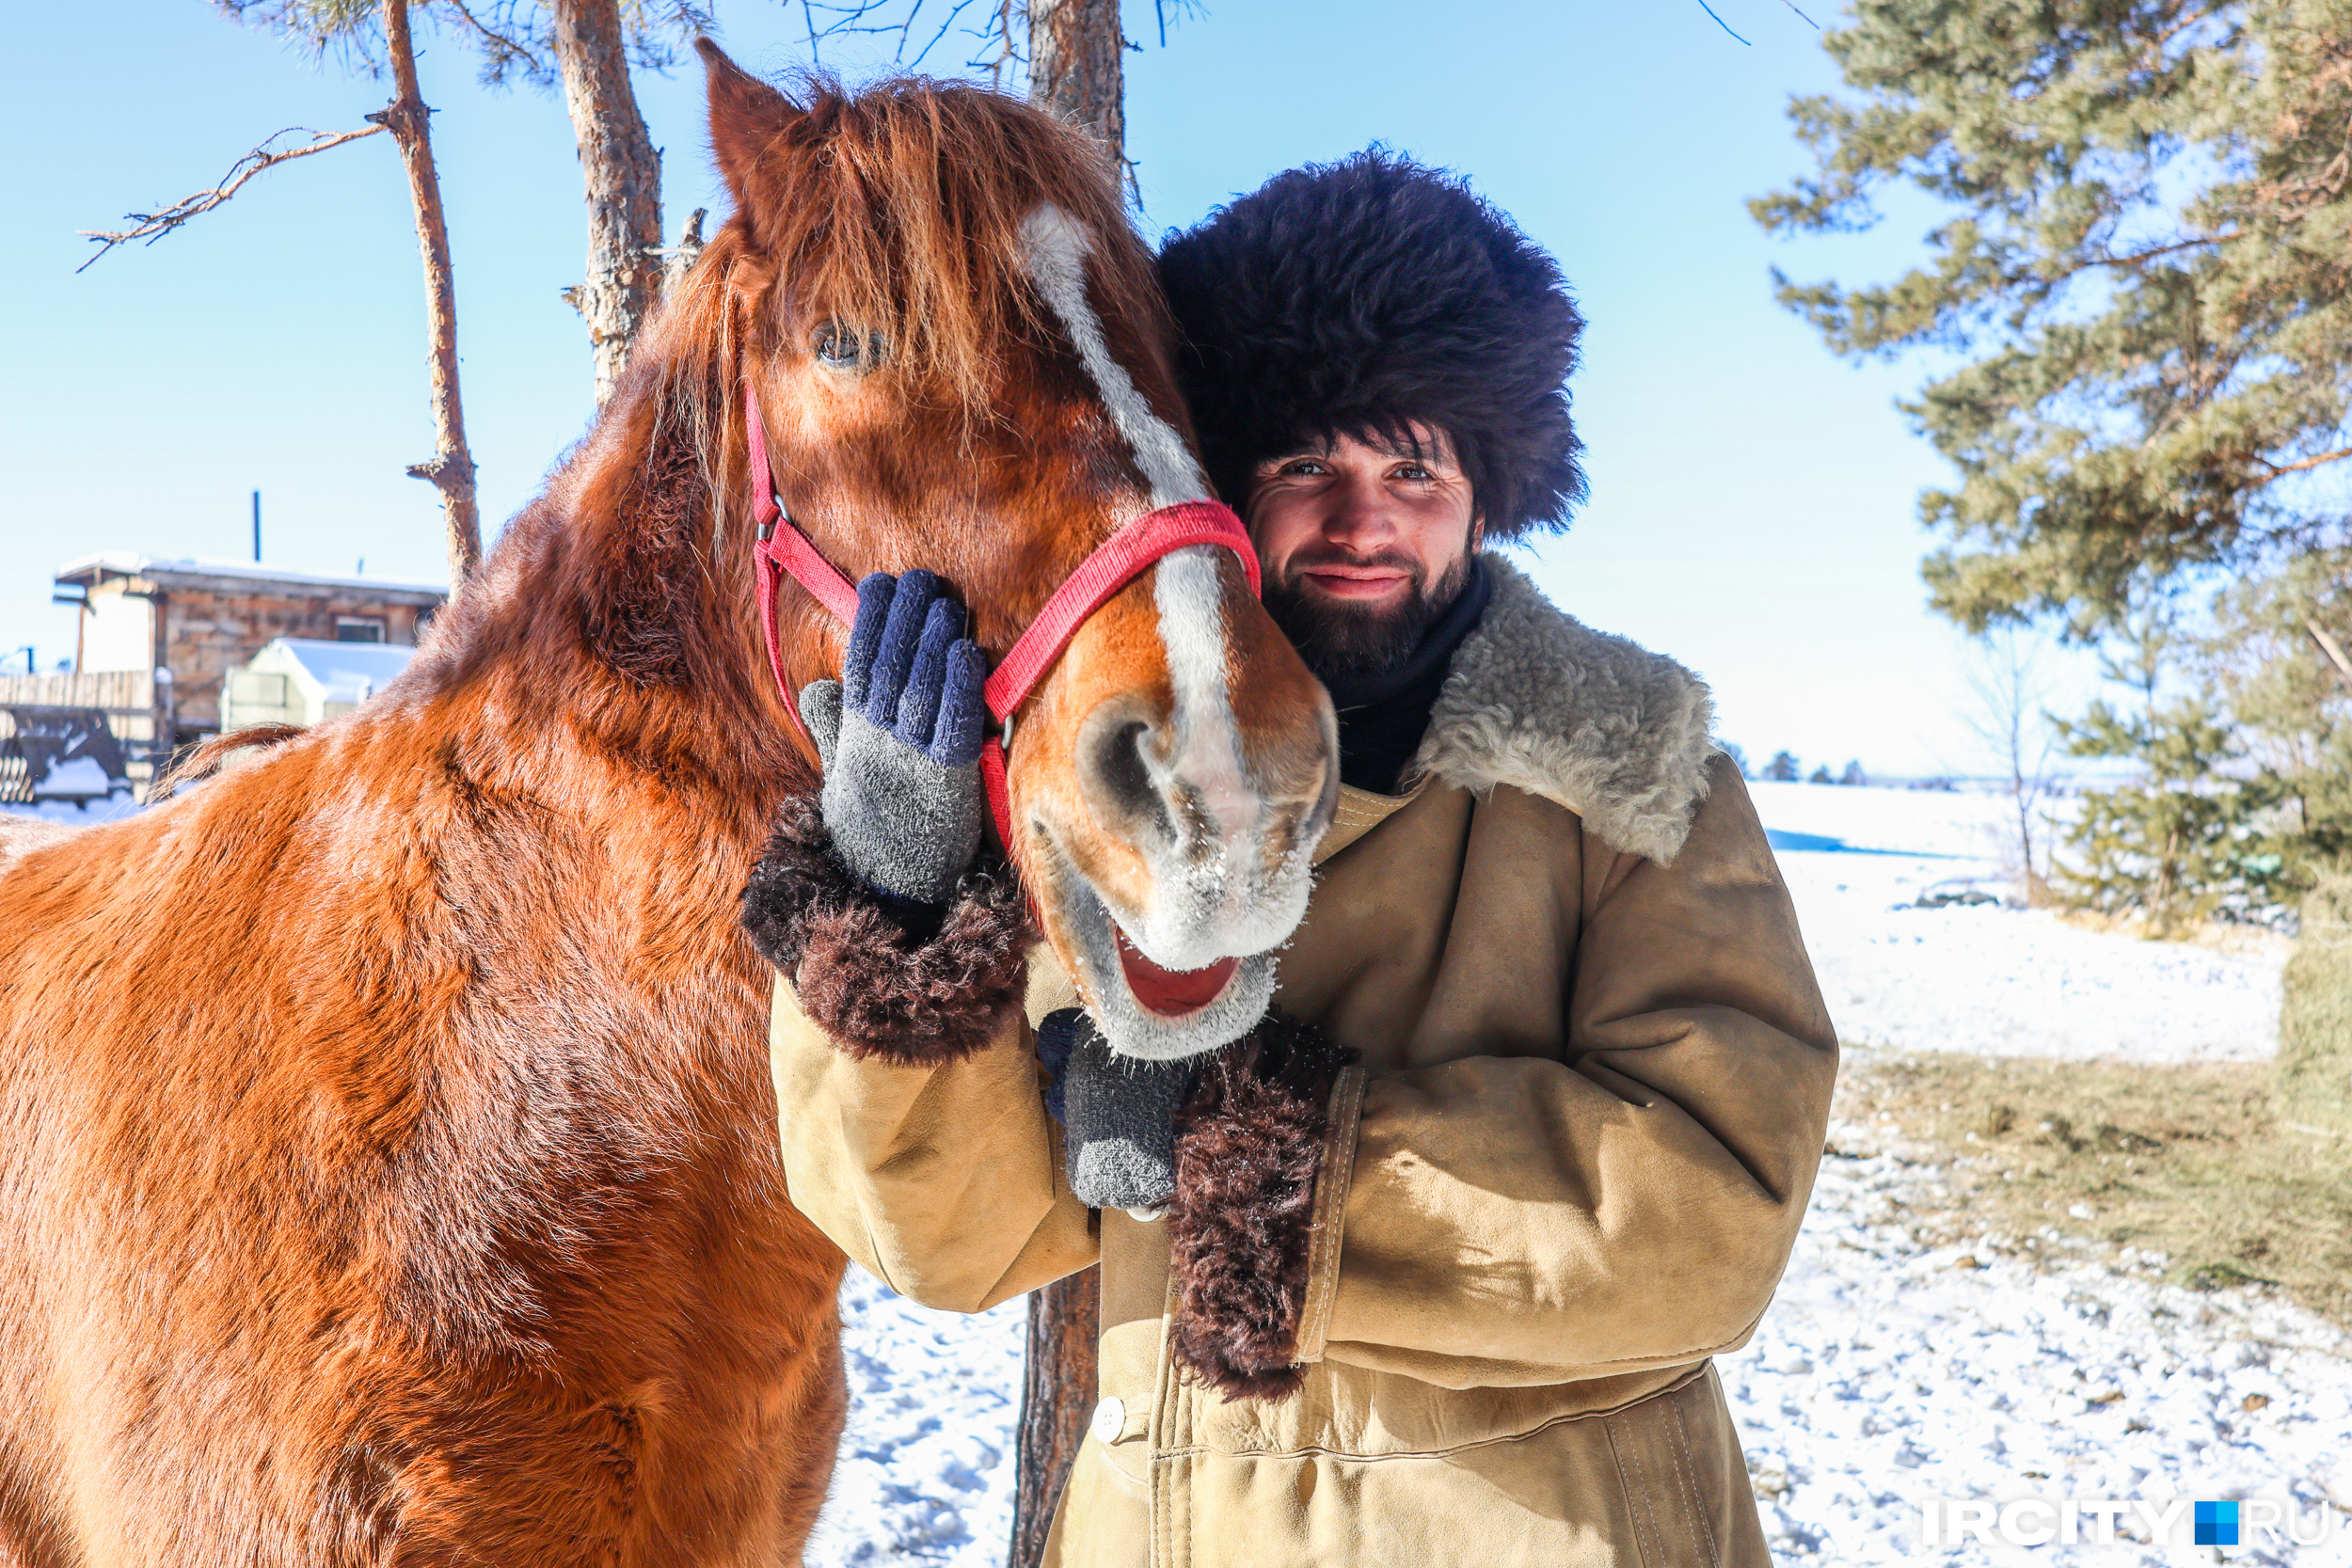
(1362, 545)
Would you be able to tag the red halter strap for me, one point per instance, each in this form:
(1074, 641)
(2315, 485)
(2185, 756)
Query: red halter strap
(783, 550)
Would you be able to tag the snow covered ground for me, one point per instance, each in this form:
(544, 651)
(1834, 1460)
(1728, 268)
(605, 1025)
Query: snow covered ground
(1979, 978)
(117, 805)
(926, 1468)
(1886, 1375)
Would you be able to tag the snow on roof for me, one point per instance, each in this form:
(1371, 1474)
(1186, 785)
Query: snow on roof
(342, 671)
(131, 562)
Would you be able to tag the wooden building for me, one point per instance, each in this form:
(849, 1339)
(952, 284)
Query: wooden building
(185, 625)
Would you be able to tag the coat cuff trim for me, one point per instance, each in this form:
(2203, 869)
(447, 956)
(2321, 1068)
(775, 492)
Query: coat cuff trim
(1250, 1147)
(1333, 1181)
(881, 989)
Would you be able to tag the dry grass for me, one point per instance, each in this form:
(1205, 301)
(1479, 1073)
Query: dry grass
(2188, 1162)
(2239, 940)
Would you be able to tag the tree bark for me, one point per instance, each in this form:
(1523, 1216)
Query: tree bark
(450, 470)
(1076, 66)
(623, 171)
(1056, 1399)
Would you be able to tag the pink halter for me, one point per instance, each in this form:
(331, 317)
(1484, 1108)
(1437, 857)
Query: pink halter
(784, 550)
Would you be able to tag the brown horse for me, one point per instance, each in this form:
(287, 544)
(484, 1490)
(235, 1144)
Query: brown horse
(387, 1164)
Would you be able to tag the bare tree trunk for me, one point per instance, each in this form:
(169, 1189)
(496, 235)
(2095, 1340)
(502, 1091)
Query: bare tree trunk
(451, 471)
(1057, 1397)
(623, 171)
(1076, 69)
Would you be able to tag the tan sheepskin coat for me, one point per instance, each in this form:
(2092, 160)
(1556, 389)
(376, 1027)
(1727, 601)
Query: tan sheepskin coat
(1593, 1084)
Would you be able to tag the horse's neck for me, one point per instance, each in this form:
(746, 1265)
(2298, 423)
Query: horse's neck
(602, 665)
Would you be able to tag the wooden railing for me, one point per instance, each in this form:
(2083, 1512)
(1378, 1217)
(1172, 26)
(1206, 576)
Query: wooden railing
(126, 697)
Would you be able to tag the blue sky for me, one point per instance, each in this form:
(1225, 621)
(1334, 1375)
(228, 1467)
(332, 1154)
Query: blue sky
(1752, 508)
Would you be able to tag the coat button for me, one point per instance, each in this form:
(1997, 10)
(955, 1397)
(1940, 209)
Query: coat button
(1110, 1419)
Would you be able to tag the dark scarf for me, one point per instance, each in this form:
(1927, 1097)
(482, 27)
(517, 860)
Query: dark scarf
(1383, 717)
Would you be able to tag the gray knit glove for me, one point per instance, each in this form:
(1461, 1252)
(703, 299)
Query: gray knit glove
(1118, 1115)
(899, 734)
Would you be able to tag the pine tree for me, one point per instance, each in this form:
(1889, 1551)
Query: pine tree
(2146, 265)
(2189, 836)
(1783, 768)
(2148, 261)
(2291, 708)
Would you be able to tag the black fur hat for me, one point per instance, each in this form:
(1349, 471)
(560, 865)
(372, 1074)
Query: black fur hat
(1352, 298)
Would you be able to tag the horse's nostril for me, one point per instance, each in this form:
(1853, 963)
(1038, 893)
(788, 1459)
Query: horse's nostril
(1118, 775)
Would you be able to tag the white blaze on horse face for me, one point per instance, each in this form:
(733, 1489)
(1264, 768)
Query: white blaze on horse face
(1191, 595)
(1058, 246)
(1213, 899)
(1206, 758)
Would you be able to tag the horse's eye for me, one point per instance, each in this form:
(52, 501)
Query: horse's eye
(841, 347)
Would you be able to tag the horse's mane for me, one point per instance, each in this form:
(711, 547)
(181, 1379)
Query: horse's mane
(903, 212)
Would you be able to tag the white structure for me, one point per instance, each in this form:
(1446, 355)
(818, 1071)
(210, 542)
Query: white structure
(298, 680)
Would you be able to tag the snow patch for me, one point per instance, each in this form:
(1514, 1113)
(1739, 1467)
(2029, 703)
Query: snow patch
(1981, 977)
(926, 1472)
(1886, 1375)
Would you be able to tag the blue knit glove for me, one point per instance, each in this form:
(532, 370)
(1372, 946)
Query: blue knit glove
(899, 736)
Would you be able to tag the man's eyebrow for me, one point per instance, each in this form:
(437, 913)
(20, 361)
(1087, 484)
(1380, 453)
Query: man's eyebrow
(1438, 447)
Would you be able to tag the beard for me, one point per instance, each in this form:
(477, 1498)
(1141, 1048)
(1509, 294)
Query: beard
(1345, 644)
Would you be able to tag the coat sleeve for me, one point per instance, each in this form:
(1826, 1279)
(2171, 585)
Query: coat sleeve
(909, 1106)
(943, 1180)
(1520, 1220)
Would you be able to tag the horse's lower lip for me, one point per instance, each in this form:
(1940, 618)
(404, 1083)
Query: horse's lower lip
(1170, 993)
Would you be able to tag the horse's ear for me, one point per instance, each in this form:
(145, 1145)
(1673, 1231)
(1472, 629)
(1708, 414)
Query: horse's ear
(746, 117)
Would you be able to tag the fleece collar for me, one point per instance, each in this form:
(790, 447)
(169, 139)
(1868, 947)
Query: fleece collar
(1538, 701)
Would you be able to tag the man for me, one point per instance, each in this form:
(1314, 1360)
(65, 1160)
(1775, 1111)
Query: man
(1547, 1050)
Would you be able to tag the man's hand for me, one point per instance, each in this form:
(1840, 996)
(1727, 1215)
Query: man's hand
(899, 736)
(1118, 1115)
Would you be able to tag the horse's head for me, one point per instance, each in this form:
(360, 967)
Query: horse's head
(961, 359)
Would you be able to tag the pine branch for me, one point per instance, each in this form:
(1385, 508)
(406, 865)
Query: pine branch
(852, 18)
(152, 227)
(999, 33)
(2138, 257)
(2281, 470)
(502, 49)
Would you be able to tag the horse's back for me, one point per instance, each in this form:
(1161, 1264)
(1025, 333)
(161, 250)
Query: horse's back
(69, 894)
(20, 835)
